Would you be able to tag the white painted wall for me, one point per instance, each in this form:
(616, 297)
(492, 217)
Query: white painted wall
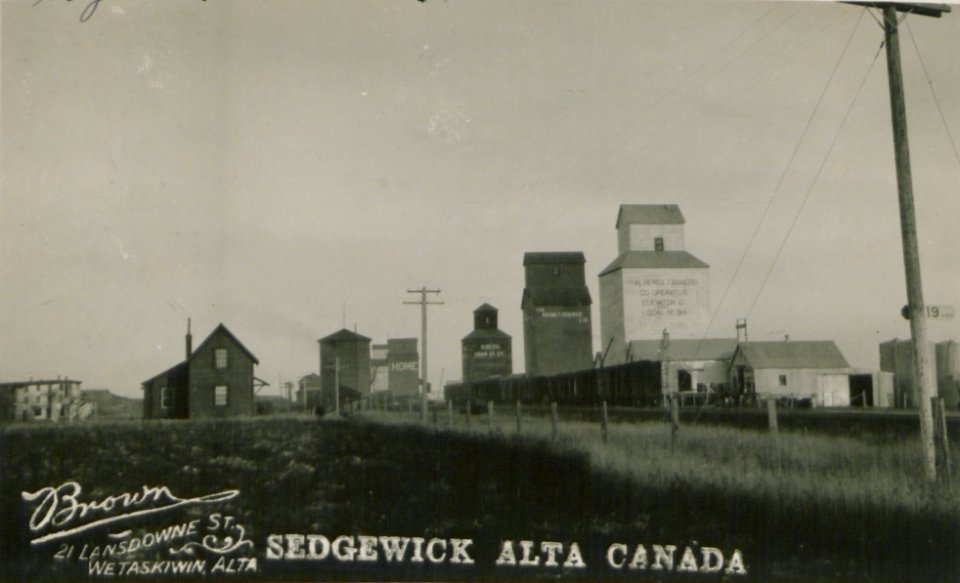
(641, 237)
(675, 299)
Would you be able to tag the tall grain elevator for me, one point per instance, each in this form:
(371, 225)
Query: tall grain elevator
(654, 285)
(403, 366)
(557, 332)
(487, 351)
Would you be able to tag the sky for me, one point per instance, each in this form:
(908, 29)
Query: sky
(288, 167)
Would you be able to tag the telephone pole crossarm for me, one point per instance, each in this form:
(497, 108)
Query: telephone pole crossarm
(921, 8)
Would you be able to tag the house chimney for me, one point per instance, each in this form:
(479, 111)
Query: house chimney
(189, 340)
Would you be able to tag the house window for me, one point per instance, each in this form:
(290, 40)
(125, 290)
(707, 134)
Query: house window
(658, 244)
(166, 398)
(220, 396)
(220, 357)
(783, 380)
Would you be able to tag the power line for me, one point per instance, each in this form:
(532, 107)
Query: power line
(813, 183)
(783, 176)
(936, 100)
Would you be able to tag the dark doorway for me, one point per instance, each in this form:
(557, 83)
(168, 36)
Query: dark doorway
(861, 390)
(684, 380)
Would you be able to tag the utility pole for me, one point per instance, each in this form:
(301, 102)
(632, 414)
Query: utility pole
(423, 303)
(908, 232)
(908, 220)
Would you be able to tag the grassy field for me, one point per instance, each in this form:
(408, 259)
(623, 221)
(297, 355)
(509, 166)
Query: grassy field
(803, 508)
(806, 505)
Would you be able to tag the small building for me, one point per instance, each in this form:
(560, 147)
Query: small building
(47, 400)
(344, 357)
(557, 330)
(896, 356)
(814, 370)
(308, 390)
(693, 365)
(487, 352)
(215, 380)
(654, 284)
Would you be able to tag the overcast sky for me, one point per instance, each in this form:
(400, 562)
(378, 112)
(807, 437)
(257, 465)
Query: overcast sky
(274, 165)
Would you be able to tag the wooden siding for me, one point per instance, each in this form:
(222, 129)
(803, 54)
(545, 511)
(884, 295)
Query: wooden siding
(176, 380)
(205, 376)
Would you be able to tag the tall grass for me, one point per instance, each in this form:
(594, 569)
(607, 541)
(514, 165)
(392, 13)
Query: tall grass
(802, 506)
(793, 466)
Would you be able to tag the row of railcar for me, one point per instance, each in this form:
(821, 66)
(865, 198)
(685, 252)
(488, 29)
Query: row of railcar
(634, 384)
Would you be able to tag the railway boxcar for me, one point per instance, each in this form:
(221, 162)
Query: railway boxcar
(634, 384)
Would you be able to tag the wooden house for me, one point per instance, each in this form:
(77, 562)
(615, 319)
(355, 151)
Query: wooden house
(215, 380)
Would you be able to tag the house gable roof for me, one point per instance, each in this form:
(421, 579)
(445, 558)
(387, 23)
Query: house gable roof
(649, 214)
(222, 330)
(822, 354)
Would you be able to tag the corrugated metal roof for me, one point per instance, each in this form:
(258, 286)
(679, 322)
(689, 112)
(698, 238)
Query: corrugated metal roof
(793, 354)
(551, 257)
(654, 260)
(685, 349)
(345, 334)
(557, 296)
(649, 214)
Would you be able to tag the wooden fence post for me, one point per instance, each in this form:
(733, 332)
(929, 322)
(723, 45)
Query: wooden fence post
(490, 412)
(940, 441)
(469, 406)
(772, 415)
(435, 420)
(518, 416)
(674, 421)
(774, 430)
(603, 421)
(553, 419)
(450, 413)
